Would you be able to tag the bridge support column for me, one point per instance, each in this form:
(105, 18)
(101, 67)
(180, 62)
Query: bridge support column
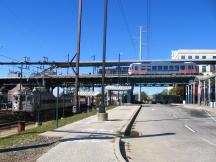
(215, 93)
(209, 91)
(194, 93)
(199, 93)
(204, 92)
(109, 97)
(130, 95)
(186, 94)
(190, 93)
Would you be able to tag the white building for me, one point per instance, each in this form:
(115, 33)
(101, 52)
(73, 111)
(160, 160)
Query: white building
(188, 54)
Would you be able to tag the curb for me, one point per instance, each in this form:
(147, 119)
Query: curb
(117, 151)
(125, 131)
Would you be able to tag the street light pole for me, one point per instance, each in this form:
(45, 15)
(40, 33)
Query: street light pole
(102, 115)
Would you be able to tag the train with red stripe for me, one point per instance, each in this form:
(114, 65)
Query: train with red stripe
(165, 67)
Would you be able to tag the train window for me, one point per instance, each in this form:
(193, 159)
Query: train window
(182, 57)
(154, 68)
(189, 67)
(203, 57)
(176, 67)
(189, 57)
(165, 67)
(171, 68)
(148, 68)
(196, 57)
(159, 67)
(143, 67)
(136, 68)
(182, 67)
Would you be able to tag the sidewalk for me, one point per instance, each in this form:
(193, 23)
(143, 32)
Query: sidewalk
(89, 140)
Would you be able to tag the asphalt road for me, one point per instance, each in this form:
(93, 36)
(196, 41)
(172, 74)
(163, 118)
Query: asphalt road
(165, 133)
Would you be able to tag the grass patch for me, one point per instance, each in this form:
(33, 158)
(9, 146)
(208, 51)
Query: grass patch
(31, 135)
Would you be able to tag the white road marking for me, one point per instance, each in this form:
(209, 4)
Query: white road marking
(210, 115)
(190, 128)
(209, 142)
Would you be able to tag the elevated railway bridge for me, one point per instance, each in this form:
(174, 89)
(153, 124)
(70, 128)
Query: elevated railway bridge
(199, 89)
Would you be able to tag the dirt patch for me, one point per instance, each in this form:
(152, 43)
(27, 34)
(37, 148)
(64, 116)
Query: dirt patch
(28, 152)
(134, 134)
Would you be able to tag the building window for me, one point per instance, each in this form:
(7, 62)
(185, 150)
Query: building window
(196, 57)
(182, 57)
(203, 68)
(214, 57)
(189, 57)
(203, 57)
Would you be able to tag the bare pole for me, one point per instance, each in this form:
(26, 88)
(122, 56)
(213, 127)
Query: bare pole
(77, 109)
(140, 58)
(102, 106)
(140, 51)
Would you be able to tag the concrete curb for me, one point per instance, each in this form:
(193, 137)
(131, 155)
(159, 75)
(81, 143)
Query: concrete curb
(117, 150)
(125, 131)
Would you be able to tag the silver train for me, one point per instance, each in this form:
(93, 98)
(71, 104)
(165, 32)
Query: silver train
(163, 68)
(39, 99)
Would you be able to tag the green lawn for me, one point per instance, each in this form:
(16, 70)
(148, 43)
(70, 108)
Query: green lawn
(32, 134)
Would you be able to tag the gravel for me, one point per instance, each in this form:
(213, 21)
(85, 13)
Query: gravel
(28, 152)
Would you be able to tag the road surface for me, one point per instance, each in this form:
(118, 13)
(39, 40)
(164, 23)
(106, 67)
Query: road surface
(166, 133)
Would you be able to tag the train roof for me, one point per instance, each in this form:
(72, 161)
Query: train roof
(163, 63)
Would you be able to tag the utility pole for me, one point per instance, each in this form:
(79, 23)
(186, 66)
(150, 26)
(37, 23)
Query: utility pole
(140, 58)
(119, 72)
(68, 60)
(76, 108)
(93, 66)
(57, 106)
(140, 51)
(102, 115)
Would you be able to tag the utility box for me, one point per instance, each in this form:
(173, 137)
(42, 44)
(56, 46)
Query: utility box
(21, 126)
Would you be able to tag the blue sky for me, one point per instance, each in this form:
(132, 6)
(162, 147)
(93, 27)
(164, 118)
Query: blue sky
(37, 28)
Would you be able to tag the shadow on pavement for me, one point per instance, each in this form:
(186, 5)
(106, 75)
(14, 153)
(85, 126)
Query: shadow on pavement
(86, 132)
(151, 135)
(163, 120)
(26, 147)
(87, 138)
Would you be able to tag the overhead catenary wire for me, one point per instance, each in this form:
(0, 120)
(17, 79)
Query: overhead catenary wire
(121, 7)
(13, 59)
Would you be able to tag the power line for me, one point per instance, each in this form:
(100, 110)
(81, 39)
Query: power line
(121, 7)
